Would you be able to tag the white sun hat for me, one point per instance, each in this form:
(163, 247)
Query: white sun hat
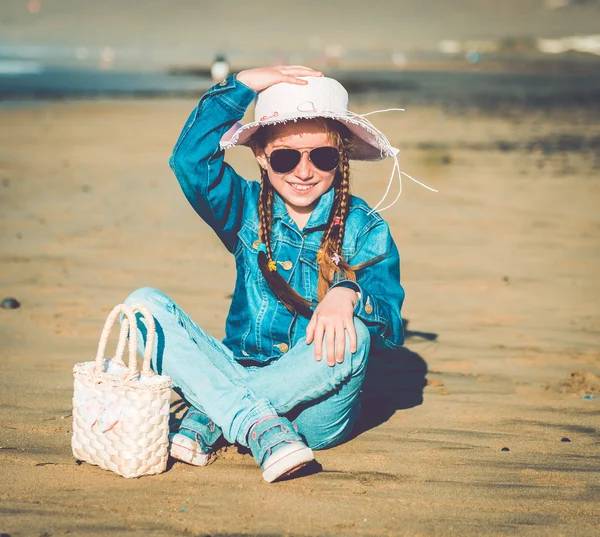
(321, 97)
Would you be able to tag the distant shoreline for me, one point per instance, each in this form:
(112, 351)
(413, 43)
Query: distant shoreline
(487, 86)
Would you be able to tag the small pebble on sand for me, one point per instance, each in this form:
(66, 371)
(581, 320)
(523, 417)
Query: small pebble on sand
(565, 439)
(505, 449)
(10, 303)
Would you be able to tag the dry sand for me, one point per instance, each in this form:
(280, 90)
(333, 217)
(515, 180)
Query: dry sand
(502, 266)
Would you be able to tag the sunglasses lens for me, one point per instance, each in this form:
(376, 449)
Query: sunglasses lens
(284, 160)
(325, 158)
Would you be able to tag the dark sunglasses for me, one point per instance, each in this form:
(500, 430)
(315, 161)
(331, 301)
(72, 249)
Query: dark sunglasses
(325, 158)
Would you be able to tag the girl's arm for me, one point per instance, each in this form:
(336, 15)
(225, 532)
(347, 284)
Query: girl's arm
(381, 295)
(212, 186)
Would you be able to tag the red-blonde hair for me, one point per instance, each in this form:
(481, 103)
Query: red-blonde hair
(333, 236)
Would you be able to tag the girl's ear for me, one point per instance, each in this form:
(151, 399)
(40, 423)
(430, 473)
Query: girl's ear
(261, 159)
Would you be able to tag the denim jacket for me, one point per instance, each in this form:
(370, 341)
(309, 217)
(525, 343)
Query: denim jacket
(258, 326)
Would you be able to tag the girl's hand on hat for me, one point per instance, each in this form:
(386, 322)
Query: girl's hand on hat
(332, 318)
(264, 77)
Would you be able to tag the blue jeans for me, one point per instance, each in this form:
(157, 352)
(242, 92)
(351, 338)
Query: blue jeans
(322, 401)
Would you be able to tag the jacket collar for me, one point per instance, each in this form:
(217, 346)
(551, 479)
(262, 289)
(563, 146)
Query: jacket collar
(318, 218)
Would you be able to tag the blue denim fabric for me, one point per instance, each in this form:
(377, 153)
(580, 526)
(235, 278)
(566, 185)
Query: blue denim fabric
(321, 401)
(215, 377)
(200, 428)
(258, 326)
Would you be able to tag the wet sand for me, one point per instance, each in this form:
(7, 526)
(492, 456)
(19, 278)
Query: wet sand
(500, 269)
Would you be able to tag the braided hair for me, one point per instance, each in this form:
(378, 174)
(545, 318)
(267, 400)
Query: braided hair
(330, 257)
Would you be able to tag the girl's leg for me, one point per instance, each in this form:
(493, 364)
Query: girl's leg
(214, 382)
(209, 378)
(322, 401)
(329, 422)
(202, 369)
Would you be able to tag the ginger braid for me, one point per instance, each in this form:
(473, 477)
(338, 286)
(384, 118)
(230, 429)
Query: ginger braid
(333, 238)
(293, 301)
(265, 212)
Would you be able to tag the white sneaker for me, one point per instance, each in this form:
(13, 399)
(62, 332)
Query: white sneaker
(286, 460)
(187, 450)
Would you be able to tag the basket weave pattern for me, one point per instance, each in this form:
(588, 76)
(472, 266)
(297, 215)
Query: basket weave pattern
(120, 414)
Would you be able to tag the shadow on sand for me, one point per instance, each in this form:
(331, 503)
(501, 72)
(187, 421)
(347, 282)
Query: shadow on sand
(395, 381)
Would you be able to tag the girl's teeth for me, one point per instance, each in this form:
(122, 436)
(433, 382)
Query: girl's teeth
(302, 187)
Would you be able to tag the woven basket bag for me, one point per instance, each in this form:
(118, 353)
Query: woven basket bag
(120, 414)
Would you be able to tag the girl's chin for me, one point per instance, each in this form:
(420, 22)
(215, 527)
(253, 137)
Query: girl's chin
(300, 205)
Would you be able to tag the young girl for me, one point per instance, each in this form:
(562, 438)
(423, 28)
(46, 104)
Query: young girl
(318, 278)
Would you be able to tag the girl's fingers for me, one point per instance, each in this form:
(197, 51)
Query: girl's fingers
(351, 335)
(303, 67)
(318, 339)
(340, 343)
(301, 72)
(330, 345)
(293, 80)
(310, 331)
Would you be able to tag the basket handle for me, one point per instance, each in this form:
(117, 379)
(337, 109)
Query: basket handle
(127, 322)
(150, 337)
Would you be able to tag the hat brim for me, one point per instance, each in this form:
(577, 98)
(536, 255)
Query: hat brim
(369, 142)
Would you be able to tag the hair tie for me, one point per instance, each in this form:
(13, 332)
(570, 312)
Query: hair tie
(336, 258)
(336, 221)
(319, 257)
(272, 266)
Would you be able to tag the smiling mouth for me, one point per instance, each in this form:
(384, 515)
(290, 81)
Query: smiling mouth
(301, 188)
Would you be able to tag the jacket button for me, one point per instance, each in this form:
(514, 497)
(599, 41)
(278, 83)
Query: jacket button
(286, 265)
(255, 244)
(223, 82)
(283, 347)
(368, 308)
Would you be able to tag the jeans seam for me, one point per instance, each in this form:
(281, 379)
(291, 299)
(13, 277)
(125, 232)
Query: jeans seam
(309, 395)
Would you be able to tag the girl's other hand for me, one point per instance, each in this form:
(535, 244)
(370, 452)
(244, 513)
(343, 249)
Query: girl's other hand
(331, 319)
(263, 77)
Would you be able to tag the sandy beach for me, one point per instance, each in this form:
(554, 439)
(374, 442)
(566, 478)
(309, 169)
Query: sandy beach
(501, 273)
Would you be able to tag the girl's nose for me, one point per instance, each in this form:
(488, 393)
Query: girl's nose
(304, 169)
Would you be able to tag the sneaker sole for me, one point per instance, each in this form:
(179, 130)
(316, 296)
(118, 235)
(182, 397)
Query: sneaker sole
(185, 449)
(287, 460)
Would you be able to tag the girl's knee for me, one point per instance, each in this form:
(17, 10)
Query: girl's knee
(147, 296)
(363, 345)
(324, 436)
(363, 336)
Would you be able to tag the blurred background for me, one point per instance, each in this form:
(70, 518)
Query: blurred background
(52, 48)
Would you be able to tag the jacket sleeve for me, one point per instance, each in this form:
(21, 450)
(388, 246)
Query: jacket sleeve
(381, 295)
(213, 188)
